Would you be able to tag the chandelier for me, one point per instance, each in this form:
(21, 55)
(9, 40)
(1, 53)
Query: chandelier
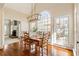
(34, 15)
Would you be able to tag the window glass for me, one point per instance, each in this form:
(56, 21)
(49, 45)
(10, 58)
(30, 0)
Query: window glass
(44, 22)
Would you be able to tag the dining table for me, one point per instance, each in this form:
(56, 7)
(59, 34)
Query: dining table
(36, 40)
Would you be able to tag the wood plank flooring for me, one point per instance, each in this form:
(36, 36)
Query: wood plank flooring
(17, 49)
(60, 51)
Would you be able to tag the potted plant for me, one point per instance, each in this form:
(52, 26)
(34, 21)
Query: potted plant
(34, 29)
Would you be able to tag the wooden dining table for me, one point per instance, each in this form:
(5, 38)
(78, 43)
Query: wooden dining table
(37, 42)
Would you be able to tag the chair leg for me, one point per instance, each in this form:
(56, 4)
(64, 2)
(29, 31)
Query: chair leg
(42, 51)
(47, 50)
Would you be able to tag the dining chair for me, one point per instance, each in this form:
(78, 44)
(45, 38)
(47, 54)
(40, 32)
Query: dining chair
(44, 44)
(28, 44)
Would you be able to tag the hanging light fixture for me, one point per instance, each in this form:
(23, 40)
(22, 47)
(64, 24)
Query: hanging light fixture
(34, 15)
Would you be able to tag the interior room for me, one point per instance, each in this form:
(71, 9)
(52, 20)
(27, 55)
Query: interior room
(39, 29)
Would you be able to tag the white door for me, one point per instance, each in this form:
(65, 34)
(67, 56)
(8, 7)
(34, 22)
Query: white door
(60, 31)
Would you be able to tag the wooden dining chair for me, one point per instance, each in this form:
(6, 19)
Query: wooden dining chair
(28, 44)
(44, 44)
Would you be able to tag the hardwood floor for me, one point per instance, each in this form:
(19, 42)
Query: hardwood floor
(17, 49)
(60, 51)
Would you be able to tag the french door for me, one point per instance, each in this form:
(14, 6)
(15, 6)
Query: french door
(60, 31)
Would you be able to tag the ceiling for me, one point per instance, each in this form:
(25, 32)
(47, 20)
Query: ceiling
(20, 7)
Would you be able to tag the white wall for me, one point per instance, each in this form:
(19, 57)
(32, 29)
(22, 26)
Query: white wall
(24, 26)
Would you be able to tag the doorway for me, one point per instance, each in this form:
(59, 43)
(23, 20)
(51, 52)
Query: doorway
(60, 31)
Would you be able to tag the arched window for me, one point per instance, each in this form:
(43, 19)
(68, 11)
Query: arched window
(45, 14)
(44, 21)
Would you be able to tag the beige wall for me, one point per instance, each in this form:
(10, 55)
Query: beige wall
(60, 10)
(55, 9)
(12, 14)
